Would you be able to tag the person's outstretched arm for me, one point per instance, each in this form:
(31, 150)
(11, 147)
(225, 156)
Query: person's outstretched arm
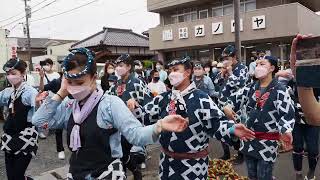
(310, 105)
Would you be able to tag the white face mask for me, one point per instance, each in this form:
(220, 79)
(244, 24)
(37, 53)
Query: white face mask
(261, 72)
(79, 92)
(47, 68)
(176, 78)
(14, 79)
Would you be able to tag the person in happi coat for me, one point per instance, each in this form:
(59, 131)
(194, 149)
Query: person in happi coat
(95, 122)
(232, 77)
(129, 86)
(20, 138)
(267, 109)
(184, 155)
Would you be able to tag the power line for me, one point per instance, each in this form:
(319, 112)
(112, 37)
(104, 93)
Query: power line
(31, 13)
(21, 12)
(64, 12)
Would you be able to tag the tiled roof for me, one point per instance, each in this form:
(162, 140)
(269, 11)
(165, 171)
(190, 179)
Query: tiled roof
(114, 37)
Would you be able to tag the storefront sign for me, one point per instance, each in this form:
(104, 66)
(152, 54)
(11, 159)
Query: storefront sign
(199, 31)
(233, 25)
(217, 28)
(167, 35)
(183, 33)
(259, 22)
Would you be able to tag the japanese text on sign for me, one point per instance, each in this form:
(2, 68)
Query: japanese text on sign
(183, 33)
(259, 22)
(167, 35)
(199, 31)
(217, 28)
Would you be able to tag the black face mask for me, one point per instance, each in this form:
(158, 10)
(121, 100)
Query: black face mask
(156, 79)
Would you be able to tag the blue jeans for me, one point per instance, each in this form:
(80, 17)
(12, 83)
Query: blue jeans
(258, 169)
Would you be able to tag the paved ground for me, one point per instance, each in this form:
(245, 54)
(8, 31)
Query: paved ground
(47, 160)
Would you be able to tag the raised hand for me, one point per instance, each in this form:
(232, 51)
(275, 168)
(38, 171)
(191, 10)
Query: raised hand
(40, 97)
(229, 113)
(132, 104)
(293, 54)
(172, 123)
(243, 133)
(41, 73)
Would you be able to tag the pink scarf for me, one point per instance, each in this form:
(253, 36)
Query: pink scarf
(80, 115)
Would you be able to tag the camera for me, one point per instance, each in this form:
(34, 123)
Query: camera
(43, 63)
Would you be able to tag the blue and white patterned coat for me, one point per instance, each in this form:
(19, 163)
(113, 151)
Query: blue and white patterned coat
(205, 120)
(277, 115)
(237, 80)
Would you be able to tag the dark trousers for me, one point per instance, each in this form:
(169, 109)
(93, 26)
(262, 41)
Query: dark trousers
(16, 165)
(128, 161)
(303, 133)
(258, 169)
(59, 140)
(226, 149)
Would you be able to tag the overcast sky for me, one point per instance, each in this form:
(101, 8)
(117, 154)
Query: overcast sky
(79, 24)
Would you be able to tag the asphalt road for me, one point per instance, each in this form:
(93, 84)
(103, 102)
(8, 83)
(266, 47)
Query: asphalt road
(46, 160)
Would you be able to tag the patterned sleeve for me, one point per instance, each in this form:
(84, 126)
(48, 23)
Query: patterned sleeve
(218, 79)
(285, 108)
(239, 81)
(152, 110)
(238, 99)
(214, 120)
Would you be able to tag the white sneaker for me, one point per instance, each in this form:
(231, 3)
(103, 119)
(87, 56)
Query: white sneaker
(42, 135)
(61, 155)
(143, 165)
(306, 178)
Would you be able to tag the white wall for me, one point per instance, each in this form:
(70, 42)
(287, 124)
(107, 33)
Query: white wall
(59, 50)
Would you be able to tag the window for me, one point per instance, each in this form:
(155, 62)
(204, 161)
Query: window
(217, 11)
(227, 10)
(250, 6)
(181, 18)
(194, 15)
(184, 15)
(203, 14)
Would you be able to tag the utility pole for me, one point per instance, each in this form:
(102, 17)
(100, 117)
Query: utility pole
(28, 15)
(236, 5)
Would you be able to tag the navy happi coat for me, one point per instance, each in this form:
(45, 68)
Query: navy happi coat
(271, 112)
(205, 120)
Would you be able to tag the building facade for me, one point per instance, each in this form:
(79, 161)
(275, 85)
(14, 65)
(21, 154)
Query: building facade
(201, 28)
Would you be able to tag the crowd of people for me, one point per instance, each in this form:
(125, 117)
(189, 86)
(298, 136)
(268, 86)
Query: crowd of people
(179, 105)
